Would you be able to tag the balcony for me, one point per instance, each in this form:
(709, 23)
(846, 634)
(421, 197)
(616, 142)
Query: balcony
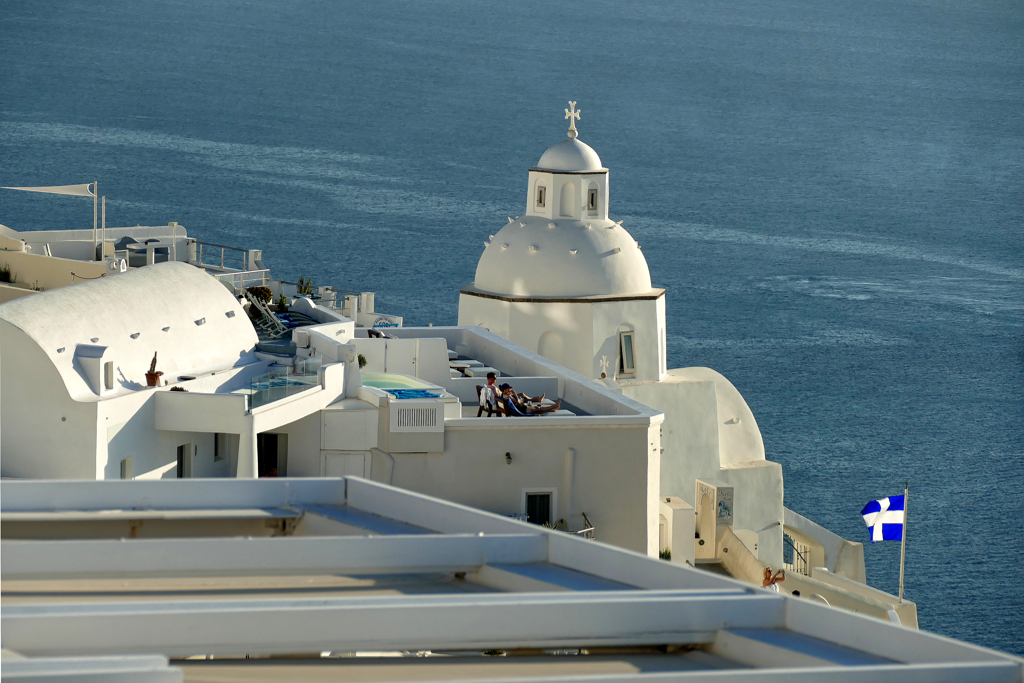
(283, 382)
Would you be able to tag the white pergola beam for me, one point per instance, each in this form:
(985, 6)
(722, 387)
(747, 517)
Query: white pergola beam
(434, 622)
(37, 496)
(882, 639)
(116, 669)
(350, 555)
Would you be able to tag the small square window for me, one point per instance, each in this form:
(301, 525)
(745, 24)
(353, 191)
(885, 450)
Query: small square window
(541, 191)
(592, 200)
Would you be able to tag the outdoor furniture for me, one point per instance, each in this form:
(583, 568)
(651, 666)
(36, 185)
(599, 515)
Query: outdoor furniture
(481, 371)
(490, 410)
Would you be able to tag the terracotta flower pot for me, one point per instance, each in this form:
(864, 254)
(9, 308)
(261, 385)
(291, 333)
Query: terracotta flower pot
(153, 379)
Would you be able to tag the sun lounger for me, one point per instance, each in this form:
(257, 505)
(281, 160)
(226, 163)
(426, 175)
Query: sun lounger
(481, 371)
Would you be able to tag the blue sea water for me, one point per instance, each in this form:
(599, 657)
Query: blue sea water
(830, 191)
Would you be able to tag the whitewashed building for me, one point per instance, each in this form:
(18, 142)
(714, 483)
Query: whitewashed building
(567, 281)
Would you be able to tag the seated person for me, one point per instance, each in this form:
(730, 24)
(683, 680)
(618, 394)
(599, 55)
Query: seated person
(488, 397)
(522, 398)
(515, 408)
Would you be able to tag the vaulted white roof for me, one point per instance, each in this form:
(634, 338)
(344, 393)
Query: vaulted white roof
(188, 318)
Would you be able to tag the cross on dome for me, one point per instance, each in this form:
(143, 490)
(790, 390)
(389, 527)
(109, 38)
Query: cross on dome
(573, 115)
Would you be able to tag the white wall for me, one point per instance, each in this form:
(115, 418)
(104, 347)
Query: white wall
(689, 434)
(43, 433)
(303, 446)
(646, 317)
(589, 329)
(611, 477)
(758, 504)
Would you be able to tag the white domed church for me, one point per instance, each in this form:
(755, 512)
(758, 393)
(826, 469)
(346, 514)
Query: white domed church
(567, 281)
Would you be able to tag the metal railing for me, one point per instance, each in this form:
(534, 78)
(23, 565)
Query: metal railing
(794, 558)
(283, 382)
(239, 281)
(587, 532)
(211, 255)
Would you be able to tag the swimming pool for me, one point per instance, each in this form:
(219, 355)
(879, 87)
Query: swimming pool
(385, 380)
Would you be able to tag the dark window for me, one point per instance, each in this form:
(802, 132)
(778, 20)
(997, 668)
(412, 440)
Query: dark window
(592, 200)
(181, 461)
(538, 508)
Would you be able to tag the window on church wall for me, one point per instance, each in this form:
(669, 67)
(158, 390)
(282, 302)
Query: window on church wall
(592, 200)
(541, 198)
(627, 355)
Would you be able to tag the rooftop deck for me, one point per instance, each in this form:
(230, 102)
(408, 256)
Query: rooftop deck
(357, 581)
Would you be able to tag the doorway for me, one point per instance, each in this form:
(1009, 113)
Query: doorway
(184, 470)
(538, 507)
(272, 455)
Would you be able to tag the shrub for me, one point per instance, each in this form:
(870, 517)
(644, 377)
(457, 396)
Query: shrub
(263, 294)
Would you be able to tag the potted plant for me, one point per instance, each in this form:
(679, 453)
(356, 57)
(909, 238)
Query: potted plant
(153, 377)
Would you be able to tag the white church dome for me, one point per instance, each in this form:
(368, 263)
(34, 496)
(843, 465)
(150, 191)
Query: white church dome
(579, 253)
(530, 258)
(570, 155)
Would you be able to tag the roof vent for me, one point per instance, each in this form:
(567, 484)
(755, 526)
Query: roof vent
(572, 251)
(201, 321)
(60, 350)
(230, 314)
(135, 335)
(552, 226)
(167, 329)
(94, 340)
(533, 248)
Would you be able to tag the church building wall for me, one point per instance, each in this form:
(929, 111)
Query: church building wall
(689, 435)
(640, 316)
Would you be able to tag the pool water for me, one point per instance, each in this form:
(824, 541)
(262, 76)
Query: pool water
(381, 380)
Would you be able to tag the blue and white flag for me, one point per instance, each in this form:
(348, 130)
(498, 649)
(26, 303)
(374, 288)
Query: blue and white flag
(885, 518)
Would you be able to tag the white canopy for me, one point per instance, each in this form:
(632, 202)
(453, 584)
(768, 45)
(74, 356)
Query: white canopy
(76, 190)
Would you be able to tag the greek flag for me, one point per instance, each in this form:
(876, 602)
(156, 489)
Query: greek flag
(885, 518)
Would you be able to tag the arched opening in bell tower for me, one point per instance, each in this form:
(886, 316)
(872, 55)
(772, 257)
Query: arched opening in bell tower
(566, 204)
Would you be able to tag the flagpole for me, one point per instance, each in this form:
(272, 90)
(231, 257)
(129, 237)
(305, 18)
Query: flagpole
(903, 548)
(103, 229)
(95, 206)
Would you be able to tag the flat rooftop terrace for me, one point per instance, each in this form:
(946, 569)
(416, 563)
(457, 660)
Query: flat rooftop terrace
(346, 579)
